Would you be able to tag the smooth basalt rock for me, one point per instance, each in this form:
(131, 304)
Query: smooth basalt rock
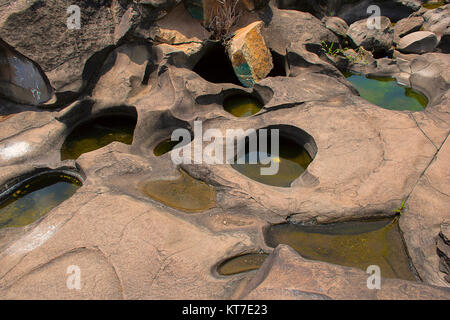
(407, 26)
(129, 245)
(418, 42)
(21, 80)
(249, 55)
(375, 40)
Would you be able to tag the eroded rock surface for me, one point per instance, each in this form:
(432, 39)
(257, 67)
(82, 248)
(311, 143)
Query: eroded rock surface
(129, 245)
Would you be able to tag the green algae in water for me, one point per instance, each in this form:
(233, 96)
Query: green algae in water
(243, 263)
(35, 198)
(353, 244)
(242, 105)
(433, 5)
(164, 146)
(185, 193)
(293, 160)
(387, 93)
(96, 134)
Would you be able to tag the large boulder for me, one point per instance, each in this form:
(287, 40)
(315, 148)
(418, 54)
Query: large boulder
(21, 80)
(376, 40)
(337, 25)
(438, 22)
(38, 30)
(393, 9)
(418, 42)
(249, 54)
(407, 26)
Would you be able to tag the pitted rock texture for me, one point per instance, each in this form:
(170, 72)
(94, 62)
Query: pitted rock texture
(130, 246)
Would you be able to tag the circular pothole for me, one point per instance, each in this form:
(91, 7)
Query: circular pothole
(242, 105)
(97, 133)
(274, 165)
(35, 197)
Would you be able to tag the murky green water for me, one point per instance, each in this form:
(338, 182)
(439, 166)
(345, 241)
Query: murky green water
(242, 105)
(185, 193)
(243, 263)
(164, 146)
(387, 93)
(433, 5)
(97, 133)
(293, 160)
(353, 244)
(35, 198)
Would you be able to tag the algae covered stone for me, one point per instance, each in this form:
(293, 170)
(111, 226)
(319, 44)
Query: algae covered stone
(249, 54)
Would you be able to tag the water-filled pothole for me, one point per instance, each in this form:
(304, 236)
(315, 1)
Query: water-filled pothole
(185, 193)
(353, 244)
(215, 66)
(387, 93)
(36, 197)
(242, 105)
(296, 151)
(243, 263)
(97, 133)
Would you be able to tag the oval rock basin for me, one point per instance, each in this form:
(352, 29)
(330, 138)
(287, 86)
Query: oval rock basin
(36, 197)
(185, 193)
(387, 93)
(292, 160)
(242, 105)
(97, 133)
(353, 244)
(243, 263)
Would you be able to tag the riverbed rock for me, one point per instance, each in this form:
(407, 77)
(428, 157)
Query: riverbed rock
(407, 26)
(287, 275)
(337, 25)
(379, 41)
(249, 54)
(21, 80)
(418, 42)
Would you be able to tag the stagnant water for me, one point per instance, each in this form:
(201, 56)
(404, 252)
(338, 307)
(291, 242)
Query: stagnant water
(433, 5)
(242, 105)
(164, 146)
(387, 93)
(97, 133)
(354, 244)
(35, 198)
(243, 263)
(293, 160)
(185, 193)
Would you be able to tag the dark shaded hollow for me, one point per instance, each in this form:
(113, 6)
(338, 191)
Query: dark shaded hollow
(97, 132)
(215, 66)
(279, 65)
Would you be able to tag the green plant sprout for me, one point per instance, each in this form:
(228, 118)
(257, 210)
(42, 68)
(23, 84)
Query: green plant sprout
(359, 58)
(399, 210)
